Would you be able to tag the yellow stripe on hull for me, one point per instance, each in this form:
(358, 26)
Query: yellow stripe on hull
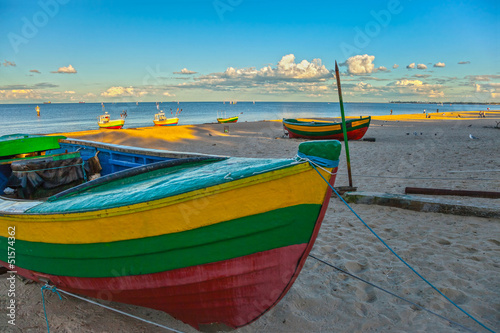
(295, 185)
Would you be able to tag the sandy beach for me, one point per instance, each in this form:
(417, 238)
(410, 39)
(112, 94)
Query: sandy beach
(459, 254)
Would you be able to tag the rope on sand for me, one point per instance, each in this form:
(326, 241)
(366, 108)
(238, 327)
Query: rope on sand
(391, 293)
(393, 252)
(54, 289)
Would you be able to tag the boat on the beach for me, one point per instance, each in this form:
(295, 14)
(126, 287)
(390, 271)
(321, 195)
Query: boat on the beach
(227, 120)
(106, 122)
(162, 120)
(323, 129)
(214, 241)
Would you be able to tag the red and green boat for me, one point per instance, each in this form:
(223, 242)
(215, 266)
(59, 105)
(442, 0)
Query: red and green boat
(227, 120)
(213, 241)
(322, 129)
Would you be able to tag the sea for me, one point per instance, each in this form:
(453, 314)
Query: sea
(69, 117)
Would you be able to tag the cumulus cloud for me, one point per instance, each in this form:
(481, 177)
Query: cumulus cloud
(411, 66)
(360, 64)
(166, 93)
(69, 92)
(285, 77)
(405, 82)
(123, 92)
(18, 94)
(395, 66)
(185, 71)
(439, 64)
(464, 62)
(421, 66)
(9, 63)
(382, 69)
(65, 70)
(35, 71)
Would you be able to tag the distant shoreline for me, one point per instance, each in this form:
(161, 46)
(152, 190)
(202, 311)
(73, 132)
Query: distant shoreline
(443, 103)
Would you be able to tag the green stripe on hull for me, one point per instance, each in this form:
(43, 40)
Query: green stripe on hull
(221, 241)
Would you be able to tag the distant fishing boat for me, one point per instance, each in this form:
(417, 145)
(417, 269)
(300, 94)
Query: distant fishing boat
(49, 102)
(213, 241)
(162, 120)
(321, 129)
(82, 102)
(223, 119)
(106, 122)
(227, 120)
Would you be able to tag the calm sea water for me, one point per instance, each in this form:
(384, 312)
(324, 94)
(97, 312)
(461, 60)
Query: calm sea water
(66, 117)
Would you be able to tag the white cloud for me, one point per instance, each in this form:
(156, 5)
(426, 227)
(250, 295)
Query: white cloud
(395, 66)
(382, 69)
(19, 94)
(362, 86)
(9, 63)
(411, 66)
(405, 82)
(69, 92)
(185, 71)
(123, 91)
(65, 70)
(166, 93)
(360, 64)
(421, 66)
(35, 71)
(287, 68)
(439, 64)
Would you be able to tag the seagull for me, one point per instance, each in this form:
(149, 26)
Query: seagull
(473, 137)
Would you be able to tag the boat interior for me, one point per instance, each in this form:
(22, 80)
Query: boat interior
(70, 164)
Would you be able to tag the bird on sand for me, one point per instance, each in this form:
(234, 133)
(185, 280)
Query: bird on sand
(473, 137)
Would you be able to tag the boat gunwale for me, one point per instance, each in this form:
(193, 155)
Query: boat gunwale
(81, 214)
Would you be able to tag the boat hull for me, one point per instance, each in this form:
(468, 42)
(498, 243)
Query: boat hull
(112, 124)
(167, 122)
(320, 130)
(227, 255)
(227, 120)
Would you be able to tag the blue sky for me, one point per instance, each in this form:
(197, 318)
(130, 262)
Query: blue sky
(213, 50)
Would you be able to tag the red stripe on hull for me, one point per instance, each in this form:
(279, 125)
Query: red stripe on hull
(233, 292)
(351, 135)
(112, 127)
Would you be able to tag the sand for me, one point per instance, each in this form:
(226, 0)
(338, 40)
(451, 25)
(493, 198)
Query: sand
(458, 254)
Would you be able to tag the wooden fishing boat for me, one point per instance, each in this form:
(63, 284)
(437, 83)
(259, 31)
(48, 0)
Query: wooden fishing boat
(214, 241)
(162, 120)
(106, 122)
(321, 129)
(227, 120)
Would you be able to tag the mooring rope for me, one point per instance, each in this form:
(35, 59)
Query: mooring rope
(391, 293)
(54, 289)
(393, 252)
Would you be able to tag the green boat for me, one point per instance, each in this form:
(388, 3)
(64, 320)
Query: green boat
(15, 144)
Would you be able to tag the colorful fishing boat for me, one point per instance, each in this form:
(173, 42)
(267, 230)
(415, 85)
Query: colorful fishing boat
(214, 241)
(321, 129)
(162, 120)
(106, 122)
(227, 120)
